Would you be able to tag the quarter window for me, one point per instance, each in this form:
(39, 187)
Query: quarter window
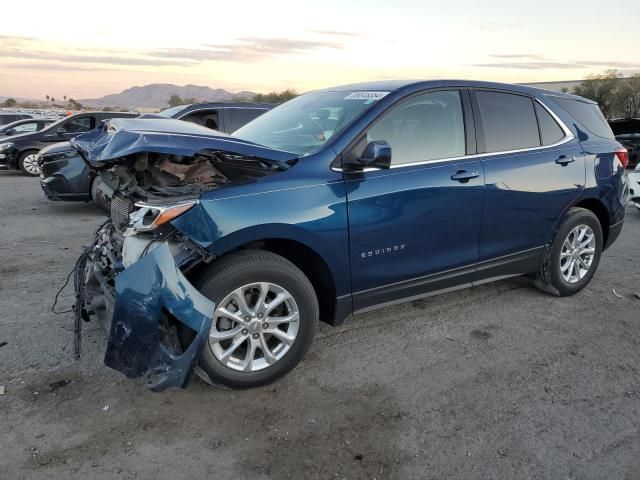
(508, 121)
(588, 114)
(549, 129)
(425, 127)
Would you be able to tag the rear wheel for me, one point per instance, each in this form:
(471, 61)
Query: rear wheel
(265, 318)
(573, 256)
(27, 162)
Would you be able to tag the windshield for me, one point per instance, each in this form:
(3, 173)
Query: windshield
(303, 125)
(171, 111)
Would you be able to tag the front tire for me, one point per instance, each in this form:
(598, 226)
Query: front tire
(573, 257)
(28, 164)
(265, 318)
(99, 197)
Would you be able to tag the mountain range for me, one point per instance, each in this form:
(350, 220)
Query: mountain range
(156, 95)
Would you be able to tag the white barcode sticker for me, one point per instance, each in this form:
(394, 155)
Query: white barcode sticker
(366, 95)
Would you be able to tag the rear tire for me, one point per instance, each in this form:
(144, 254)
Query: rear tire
(27, 163)
(572, 258)
(263, 353)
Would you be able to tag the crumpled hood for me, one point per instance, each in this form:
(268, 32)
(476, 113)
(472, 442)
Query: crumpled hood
(121, 137)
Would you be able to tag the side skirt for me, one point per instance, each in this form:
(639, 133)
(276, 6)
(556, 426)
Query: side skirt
(511, 265)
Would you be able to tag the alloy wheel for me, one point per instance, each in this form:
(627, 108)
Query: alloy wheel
(254, 327)
(30, 164)
(577, 254)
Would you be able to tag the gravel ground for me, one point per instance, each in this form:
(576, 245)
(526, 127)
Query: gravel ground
(499, 381)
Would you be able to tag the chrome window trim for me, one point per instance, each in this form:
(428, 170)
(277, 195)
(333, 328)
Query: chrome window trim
(567, 138)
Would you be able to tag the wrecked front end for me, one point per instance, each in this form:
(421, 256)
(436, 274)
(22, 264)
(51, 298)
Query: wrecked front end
(134, 278)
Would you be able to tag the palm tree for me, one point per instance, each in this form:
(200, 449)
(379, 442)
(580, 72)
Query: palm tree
(47, 97)
(65, 98)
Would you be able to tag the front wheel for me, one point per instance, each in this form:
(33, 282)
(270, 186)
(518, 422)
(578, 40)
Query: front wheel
(98, 196)
(28, 163)
(265, 318)
(573, 257)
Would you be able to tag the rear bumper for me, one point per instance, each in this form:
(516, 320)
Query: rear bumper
(136, 313)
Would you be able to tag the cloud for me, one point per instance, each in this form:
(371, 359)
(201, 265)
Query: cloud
(542, 65)
(516, 55)
(527, 61)
(53, 67)
(249, 49)
(30, 49)
(335, 33)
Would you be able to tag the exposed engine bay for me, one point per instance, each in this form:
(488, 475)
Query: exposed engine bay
(160, 178)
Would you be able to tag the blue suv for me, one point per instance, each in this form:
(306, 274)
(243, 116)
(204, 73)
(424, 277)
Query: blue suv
(223, 251)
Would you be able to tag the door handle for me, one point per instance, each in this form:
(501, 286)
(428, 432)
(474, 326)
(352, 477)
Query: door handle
(564, 160)
(463, 176)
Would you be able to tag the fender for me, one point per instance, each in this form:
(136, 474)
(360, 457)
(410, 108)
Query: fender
(221, 226)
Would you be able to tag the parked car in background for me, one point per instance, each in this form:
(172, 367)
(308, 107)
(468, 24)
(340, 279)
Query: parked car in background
(67, 176)
(634, 186)
(224, 117)
(24, 126)
(627, 132)
(224, 251)
(20, 151)
(6, 118)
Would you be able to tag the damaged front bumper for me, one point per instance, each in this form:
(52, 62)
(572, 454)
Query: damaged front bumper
(141, 306)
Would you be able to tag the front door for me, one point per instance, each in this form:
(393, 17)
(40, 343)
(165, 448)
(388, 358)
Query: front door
(415, 227)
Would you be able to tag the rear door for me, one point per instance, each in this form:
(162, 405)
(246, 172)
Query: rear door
(534, 169)
(415, 227)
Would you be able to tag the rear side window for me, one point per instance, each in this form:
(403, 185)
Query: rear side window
(550, 131)
(238, 117)
(588, 114)
(508, 121)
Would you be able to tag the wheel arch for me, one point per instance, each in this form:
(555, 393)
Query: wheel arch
(598, 208)
(304, 249)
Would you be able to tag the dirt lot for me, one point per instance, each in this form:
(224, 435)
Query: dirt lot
(500, 381)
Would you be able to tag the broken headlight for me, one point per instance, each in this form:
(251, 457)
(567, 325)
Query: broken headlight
(148, 217)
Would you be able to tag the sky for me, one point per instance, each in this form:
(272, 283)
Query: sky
(86, 49)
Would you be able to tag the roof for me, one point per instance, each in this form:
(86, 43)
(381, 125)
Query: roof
(398, 85)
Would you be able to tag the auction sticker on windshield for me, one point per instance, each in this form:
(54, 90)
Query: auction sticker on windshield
(366, 95)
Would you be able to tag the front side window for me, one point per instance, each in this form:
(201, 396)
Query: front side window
(303, 125)
(508, 121)
(426, 127)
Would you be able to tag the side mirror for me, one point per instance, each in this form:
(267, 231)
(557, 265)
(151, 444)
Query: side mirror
(376, 154)
(61, 131)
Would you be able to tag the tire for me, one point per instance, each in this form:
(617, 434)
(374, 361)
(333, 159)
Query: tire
(241, 271)
(556, 264)
(98, 196)
(26, 163)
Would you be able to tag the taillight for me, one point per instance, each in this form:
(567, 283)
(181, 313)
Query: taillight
(623, 156)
